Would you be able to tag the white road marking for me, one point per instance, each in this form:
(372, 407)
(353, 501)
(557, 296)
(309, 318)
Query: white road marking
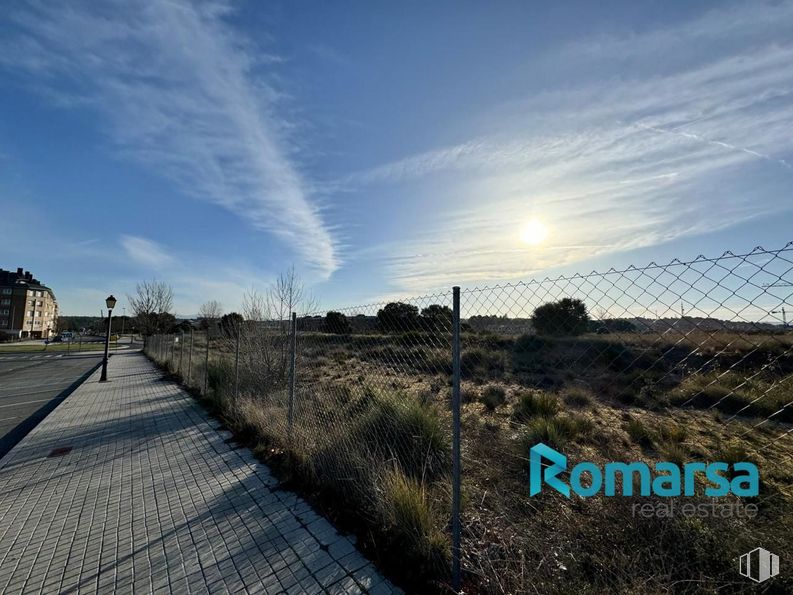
(24, 403)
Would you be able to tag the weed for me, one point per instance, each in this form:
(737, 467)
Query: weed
(639, 433)
(493, 396)
(400, 428)
(414, 523)
(479, 363)
(674, 433)
(531, 404)
(556, 431)
(577, 397)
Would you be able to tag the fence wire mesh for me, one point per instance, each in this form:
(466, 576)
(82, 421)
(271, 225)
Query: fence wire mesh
(686, 361)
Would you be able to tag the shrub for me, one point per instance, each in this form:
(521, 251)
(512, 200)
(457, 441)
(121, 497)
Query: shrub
(529, 344)
(397, 427)
(672, 433)
(638, 433)
(398, 317)
(437, 318)
(221, 376)
(531, 404)
(577, 397)
(556, 431)
(493, 396)
(565, 317)
(414, 524)
(481, 363)
(231, 323)
(675, 453)
(336, 323)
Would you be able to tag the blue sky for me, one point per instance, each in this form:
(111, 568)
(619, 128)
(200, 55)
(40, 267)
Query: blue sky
(385, 149)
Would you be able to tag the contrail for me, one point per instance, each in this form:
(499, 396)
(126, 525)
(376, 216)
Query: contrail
(717, 143)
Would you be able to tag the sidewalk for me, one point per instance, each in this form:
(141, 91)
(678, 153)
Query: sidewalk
(152, 497)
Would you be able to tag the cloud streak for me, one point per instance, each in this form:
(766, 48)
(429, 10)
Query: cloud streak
(182, 93)
(146, 252)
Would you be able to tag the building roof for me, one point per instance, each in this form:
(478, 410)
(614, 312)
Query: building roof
(21, 276)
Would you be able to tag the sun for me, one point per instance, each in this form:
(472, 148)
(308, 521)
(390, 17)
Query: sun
(534, 232)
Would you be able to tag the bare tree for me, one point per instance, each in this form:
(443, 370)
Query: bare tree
(210, 312)
(151, 306)
(288, 294)
(254, 306)
(266, 332)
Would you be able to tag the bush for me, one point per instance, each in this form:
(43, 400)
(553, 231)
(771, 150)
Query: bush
(556, 431)
(398, 317)
(231, 323)
(336, 323)
(531, 404)
(397, 427)
(437, 318)
(577, 397)
(638, 433)
(481, 363)
(672, 433)
(405, 506)
(493, 396)
(565, 317)
(530, 344)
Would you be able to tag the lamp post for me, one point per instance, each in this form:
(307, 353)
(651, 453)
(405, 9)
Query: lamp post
(110, 302)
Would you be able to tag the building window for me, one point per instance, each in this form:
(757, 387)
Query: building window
(30, 314)
(5, 301)
(6, 291)
(5, 312)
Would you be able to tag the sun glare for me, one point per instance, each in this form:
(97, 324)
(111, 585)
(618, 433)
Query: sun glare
(534, 232)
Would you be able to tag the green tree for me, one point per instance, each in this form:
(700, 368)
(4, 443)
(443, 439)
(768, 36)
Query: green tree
(398, 317)
(437, 318)
(565, 317)
(230, 323)
(336, 323)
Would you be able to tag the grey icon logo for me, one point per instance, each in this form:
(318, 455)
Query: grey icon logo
(759, 565)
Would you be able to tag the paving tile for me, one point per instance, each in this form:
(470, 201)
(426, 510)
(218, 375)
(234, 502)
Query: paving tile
(152, 498)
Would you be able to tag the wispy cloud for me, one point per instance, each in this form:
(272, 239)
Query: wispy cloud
(183, 93)
(611, 163)
(146, 252)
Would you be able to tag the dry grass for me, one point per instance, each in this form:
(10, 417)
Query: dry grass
(371, 448)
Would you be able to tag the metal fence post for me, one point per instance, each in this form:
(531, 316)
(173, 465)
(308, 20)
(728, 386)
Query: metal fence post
(237, 365)
(181, 350)
(190, 360)
(206, 366)
(456, 439)
(292, 342)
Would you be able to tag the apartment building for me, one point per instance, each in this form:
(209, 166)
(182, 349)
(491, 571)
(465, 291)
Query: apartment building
(28, 309)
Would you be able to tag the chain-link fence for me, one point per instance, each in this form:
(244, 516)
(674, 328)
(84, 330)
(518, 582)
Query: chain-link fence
(413, 420)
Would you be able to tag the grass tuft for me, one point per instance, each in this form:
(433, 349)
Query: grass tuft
(493, 396)
(532, 404)
(639, 433)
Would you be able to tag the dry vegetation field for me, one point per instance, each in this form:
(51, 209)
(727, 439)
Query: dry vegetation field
(371, 434)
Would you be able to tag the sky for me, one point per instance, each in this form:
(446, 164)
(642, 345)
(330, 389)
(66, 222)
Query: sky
(385, 149)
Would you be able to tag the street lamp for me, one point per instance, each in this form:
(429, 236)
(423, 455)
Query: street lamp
(110, 302)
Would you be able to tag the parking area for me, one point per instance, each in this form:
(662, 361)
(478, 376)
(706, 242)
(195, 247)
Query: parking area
(32, 385)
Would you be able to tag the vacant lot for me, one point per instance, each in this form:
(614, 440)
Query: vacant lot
(370, 440)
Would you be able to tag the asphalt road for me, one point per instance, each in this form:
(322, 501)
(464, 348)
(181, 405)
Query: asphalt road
(32, 385)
